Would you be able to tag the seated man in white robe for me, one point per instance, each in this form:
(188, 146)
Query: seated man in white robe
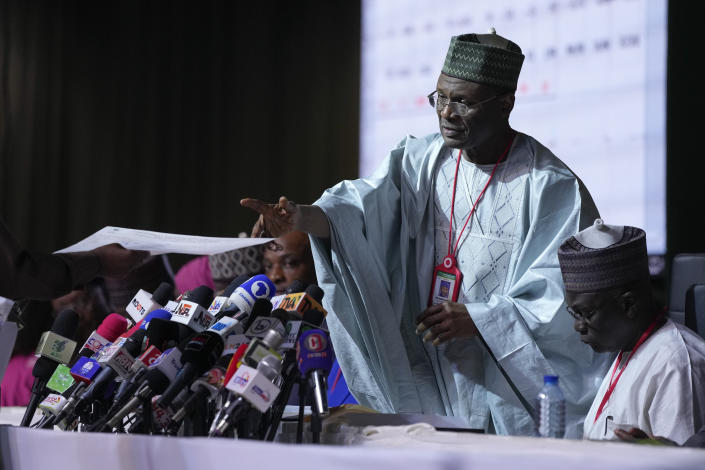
(657, 381)
(440, 270)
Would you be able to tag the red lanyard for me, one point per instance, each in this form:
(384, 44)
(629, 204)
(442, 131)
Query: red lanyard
(612, 385)
(451, 254)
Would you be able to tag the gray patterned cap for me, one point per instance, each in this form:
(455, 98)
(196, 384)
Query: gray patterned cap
(587, 269)
(489, 59)
(234, 263)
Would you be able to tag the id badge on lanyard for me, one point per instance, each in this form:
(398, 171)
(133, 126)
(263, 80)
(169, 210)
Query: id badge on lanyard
(447, 278)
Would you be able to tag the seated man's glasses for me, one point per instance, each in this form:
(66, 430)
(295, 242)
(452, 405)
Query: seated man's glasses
(578, 315)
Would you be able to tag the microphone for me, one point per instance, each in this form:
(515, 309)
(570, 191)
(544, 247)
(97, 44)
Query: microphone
(116, 359)
(212, 381)
(275, 321)
(301, 302)
(297, 285)
(162, 372)
(199, 355)
(244, 297)
(254, 387)
(235, 362)
(236, 338)
(254, 352)
(60, 380)
(85, 369)
(207, 386)
(143, 302)
(112, 326)
(191, 312)
(311, 320)
(55, 348)
(162, 334)
(315, 359)
(221, 301)
(51, 406)
(219, 335)
(145, 321)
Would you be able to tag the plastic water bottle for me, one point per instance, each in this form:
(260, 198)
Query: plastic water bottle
(550, 409)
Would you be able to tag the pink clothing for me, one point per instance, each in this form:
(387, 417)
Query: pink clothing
(17, 383)
(193, 274)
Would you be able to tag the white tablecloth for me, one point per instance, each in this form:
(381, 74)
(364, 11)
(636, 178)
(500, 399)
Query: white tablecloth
(416, 448)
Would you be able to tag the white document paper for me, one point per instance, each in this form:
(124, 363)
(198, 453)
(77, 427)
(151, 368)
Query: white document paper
(8, 334)
(158, 243)
(5, 308)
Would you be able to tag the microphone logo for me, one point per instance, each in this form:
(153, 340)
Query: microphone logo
(260, 289)
(215, 377)
(136, 303)
(262, 325)
(58, 346)
(261, 393)
(242, 379)
(183, 310)
(52, 399)
(217, 304)
(315, 342)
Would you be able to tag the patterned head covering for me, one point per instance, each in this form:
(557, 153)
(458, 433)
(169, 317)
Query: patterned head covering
(489, 59)
(234, 263)
(603, 257)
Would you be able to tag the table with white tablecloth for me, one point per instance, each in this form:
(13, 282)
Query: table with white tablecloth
(417, 447)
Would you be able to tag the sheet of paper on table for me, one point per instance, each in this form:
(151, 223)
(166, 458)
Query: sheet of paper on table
(158, 243)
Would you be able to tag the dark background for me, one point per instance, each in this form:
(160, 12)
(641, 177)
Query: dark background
(162, 115)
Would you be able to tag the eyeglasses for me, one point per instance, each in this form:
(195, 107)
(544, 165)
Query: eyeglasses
(578, 315)
(456, 107)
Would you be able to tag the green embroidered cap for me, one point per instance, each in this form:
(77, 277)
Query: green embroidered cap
(489, 59)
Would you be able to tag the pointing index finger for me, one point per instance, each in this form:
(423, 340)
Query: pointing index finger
(254, 204)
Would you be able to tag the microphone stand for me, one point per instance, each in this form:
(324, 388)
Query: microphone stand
(290, 379)
(303, 391)
(195, 423)
(36, 398)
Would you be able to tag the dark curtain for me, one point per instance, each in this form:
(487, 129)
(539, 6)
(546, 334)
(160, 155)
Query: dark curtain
(162, 115)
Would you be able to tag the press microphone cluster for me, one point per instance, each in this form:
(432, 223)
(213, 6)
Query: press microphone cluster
(221, 366)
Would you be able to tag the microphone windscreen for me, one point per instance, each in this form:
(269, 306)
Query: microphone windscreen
(261, 308)
(162, 333)
(234, 284)
(43, 368)
(295, 287)
(313, 317)
(184, 333)
(113, 326)
(163, 294)
(202, 295)
(281, 315)
(202, 351)
(135, 341)
(66, 323)
(153, 315)
(316, 292)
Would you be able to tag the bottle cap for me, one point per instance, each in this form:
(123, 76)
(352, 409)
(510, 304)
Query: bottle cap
(550, 379)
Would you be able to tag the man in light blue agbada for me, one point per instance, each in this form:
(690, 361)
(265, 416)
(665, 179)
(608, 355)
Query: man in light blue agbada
(385, 249)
